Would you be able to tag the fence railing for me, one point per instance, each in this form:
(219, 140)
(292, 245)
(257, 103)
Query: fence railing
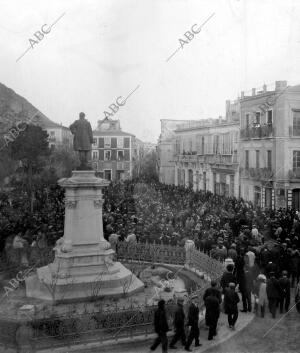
(159, 253)
(116, 322)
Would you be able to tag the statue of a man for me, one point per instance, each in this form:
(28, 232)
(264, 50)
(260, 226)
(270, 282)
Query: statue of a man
(83, 139)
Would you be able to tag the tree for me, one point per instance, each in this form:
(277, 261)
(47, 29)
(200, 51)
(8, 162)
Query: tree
(64, 160)
(146, 167)
(30, 147)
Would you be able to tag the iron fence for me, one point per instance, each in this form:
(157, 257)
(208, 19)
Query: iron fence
(114, 323)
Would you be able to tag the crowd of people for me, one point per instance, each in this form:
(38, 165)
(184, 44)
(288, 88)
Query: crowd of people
(264, 246)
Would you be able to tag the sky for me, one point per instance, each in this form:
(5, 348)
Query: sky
(100, 50)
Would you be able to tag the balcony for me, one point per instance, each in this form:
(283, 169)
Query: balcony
(294, 174)
(257, 131)
(186, 157)
(258, 173)
(208, 158)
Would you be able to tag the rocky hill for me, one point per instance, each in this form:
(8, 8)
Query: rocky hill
(14, 108)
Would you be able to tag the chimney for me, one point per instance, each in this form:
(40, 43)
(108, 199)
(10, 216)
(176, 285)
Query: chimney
(253, 91)
(242, 95)
(265, 88)
(280, 85)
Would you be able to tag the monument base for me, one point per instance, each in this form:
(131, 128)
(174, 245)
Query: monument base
(83, 267)
(84, 282)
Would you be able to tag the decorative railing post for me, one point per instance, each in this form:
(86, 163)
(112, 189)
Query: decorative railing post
(189, 247)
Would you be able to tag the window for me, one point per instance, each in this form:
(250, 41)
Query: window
(270, 117)
(52, 133)
(120, 142)
(202, 145)
(269, 159)
(246, 159)
(120, 155)
(257, 196)
(296, 122)
(107, 155)
(216, 144)
(257, 159)
(247, 120)
(257, 118)
(95, 155)
(296, 160)
(94, 141)
(231, 185)
(107, 174)
(106, 142)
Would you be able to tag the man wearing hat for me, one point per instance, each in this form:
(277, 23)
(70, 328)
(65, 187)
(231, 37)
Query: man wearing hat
(193, 323)
(284, 292)
(212, 299)
(273, 293)
(179, 325)
(231, 300)
(161, 327)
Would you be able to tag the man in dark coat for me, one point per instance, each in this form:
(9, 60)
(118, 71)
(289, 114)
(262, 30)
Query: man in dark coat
(231, 300)
(212, 291)
(83, 138)
(284, 292)
(161, 327)
(179, 325)
(273, 293)
(246, 287)
(227, 277)
(212, 305)
(193, 323)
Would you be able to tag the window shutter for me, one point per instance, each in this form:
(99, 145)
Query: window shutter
(101, 155)
(113, 142)
(126, 142)
(127, 155)
(113, 155)
(101, 142)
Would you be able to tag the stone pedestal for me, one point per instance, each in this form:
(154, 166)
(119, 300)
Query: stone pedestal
(83, 265)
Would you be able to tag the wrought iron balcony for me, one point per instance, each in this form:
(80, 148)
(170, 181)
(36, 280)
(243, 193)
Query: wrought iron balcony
(294, 173)
(208, 158)
(258, 173)
(257, 131)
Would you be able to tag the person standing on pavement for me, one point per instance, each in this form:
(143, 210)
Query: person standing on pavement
(161, 327)
(212, 305)
(213, 290)
(246, 287)
(179, 325)
(231, 300)
(284, 292)
(193, 324)
(261, 294)
(273, 293)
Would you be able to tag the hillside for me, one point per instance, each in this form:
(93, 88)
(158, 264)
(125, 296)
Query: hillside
(14, 107)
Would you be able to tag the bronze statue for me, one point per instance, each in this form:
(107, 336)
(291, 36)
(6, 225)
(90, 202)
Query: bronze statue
(83, 139)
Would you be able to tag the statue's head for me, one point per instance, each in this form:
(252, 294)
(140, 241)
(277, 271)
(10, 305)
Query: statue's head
(81, 115)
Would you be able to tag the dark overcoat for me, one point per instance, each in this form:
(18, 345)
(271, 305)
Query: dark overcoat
(83, 135)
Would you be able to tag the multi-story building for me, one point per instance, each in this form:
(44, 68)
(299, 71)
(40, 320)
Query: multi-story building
(270, 146)
(206, 154)
(165, 149)
(113, 151)
(59, 135)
